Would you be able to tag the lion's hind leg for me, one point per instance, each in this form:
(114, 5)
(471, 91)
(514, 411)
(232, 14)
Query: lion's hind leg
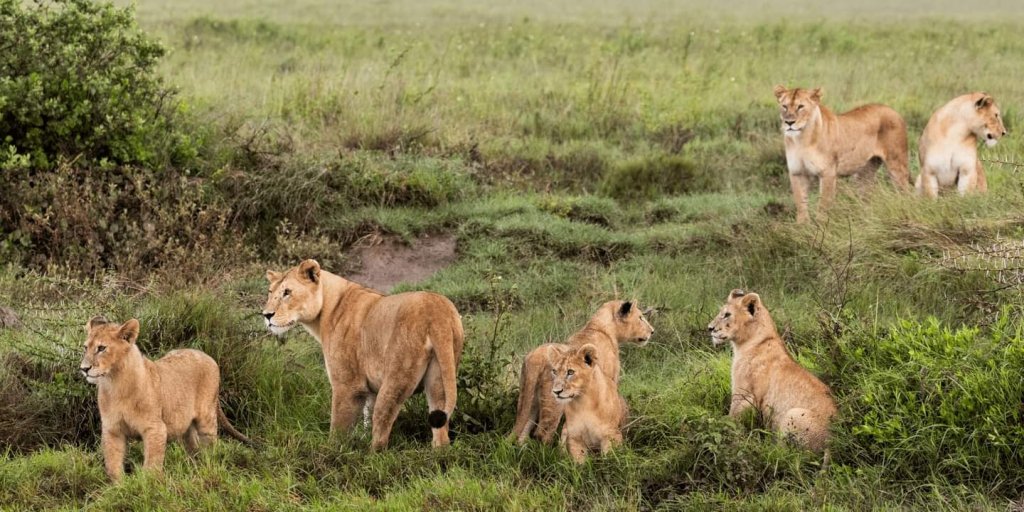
(404, 374)
(805, 428)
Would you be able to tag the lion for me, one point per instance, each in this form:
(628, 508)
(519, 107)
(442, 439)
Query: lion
(172, 398)
(595, 413)
(378, 349)
(948, 150)
(824, 145)
(614, 322)
(764, 376)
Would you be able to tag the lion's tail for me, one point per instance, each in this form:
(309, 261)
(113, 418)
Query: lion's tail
(222, 420)
(447, 359)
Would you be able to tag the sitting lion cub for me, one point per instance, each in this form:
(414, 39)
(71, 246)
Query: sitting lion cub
(822, 144)
(948, 150)
(594, 411)
(614, 322)
(175, 397)
(764, 376)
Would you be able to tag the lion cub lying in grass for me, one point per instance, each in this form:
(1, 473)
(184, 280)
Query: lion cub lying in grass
(594, 411)
(764, 376)
(175, 397)
(614, 322)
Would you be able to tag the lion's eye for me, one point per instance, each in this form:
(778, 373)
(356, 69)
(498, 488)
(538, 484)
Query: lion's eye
(100, 348)
(570, 372)
(287, 293)
(799, 107)
(727, 315)
(554, 372)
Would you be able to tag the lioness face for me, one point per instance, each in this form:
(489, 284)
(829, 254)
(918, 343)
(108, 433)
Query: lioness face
(988, 125)
(105, 346)
(294, 296)
(632, 325)
(571, 372)
(737, 316)
(797, 108)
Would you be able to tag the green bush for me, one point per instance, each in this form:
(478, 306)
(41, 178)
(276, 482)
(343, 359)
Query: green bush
(927, 399)
(648, 178)
(78, 81)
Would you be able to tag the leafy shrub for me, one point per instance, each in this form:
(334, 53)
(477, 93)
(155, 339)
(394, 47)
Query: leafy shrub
(927, 399)
(651, 177)
(77, 80)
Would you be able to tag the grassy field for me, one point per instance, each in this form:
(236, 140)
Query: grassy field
(578, 152)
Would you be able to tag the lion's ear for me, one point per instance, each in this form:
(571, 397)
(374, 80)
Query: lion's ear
(129, 331)
(273, 277)
(751, 302)
(95, 322)
(984, 101)
(817, 93)
(780, 91)
(589, 354)
(311, 270)
(624, 309)
(735, 294)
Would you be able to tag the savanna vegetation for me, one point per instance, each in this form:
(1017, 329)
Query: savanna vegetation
(155, 160)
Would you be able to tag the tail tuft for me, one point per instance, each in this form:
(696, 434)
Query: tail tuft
(437, 418)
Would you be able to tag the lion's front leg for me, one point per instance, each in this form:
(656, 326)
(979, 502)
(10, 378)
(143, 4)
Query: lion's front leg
(114, 445)
(827, 194)
(801, 184)
(154, 444)
(346, 406)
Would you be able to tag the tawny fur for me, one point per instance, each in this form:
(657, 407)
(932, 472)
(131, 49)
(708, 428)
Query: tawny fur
(538, 412)
(764, 376)
(173, 398)
(821, 144)
(594, 411)
(378, 349)
(948, 150)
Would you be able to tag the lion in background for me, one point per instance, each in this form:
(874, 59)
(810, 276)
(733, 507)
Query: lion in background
(172, 398)
(948, 149)
(824, 145)
(764, 375)
(615, 322)
(378, 349)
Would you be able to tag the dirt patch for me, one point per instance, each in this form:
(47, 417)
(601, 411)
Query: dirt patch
(8, 319)
(384, 262)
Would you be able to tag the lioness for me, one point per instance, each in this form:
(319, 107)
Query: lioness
(948, 150)
(175, 397)
(764, 376)
(822, 144)
(378, 349)
(594, 411)
(614, 322)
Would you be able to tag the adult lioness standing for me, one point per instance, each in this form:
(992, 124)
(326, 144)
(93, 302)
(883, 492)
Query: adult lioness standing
(764, 376)
(378, 349)
(824, 145)
(948, 150)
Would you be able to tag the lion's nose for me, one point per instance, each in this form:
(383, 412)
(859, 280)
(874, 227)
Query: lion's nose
(711, 329)
(85, 369)
(790, 123)
(990, 136)
(268, 316)
(1004, 132)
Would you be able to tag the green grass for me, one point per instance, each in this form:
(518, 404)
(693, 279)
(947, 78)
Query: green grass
(578, 152)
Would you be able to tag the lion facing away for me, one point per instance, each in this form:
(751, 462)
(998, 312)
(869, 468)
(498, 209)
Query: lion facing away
(948, 150)
(378, 349)
(614, 322)
(174, 397)
(764, 376)
(594, 411)
(825, 145)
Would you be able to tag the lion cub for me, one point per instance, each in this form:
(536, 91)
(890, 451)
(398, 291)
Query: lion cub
(948, 150)
(175, 397)
(764, 376)
(594, 411)
(614, 322)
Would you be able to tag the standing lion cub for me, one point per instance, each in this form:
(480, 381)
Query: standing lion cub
(823, 145)
(948, 150)
(174, 397)
(378, 348)
(764, 376)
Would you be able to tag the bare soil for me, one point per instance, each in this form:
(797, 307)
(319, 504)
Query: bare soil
(384, 262)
